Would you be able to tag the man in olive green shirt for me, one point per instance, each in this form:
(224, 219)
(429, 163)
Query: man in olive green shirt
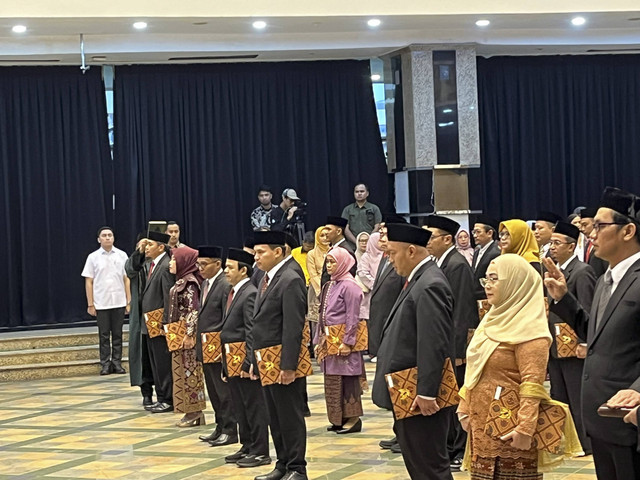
(361, 215)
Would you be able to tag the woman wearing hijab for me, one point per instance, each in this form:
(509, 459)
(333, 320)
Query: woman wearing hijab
(361, 245)
(509, 349)
(516, 237)
(463, 245)
(184, 303)
(340, 305)
(367, 271)
(315, 260)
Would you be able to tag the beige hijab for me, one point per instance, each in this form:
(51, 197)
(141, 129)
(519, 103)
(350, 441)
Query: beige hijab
(517, 317)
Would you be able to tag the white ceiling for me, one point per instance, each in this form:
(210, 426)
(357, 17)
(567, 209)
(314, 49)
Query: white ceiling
(114, 41)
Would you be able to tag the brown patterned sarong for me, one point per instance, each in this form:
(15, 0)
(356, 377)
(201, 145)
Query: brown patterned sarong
(188, 382)
(343, 395)
(504, 469)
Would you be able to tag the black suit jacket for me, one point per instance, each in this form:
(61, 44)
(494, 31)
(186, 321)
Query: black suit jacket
(326, 277)
(385, 291)
(418, 332)
(480, 269)
(295, 266)
(581, 282)
(156, 291)
(279, 317)
(465, 309)
(211, 315)
(238, 318)
(599, 266)
(613, 356)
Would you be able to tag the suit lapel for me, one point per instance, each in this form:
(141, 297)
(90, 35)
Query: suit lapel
(380, 280)
(156, 268)
(235, 299)
(403, 295)
(272, 284)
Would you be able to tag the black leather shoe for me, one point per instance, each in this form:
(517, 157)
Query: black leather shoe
(396, 448)
(147, 401)
(106, 369)
(224, 439)
(357, 427)
(254, 461)
(149, 407)
(161, 408)
(387, 444)
(307, 412)
(456, 464)
(233, 458)
(295, 476)
(334, 428)
(273, 475)
(211, 437)
(116, 368)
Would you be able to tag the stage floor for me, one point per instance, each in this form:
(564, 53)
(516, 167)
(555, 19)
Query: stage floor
(95, 428)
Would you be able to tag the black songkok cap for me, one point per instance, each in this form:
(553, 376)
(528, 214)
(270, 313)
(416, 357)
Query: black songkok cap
(589, 212)
(249, 242)
(269, 238)
(240, 256)
(209, 251)
(158, 237)
(443, 223)
(567, 229)
(407, 233)
(486, 220)
(549, 217)
(292, 242)
(337, 221)
(393, 218)
(624, 203)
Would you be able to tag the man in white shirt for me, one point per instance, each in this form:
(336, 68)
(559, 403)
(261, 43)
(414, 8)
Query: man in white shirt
(108, 298)
(485, 232)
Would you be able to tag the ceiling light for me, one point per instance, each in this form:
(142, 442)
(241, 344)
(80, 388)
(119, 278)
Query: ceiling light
(140, 25)
(375, 77)
(259, 24)
(374, 22)
(482, 23)
(577, 21)
(19, 29)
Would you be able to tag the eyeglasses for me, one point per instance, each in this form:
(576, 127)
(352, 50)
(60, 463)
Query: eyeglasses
(438, 236)
(477, 231)
(598, 225)
(504, 234)
(202, 265)
(557, 243)
(488, 281)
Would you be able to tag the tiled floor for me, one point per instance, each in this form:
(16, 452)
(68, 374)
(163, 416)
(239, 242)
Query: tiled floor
(95, 428)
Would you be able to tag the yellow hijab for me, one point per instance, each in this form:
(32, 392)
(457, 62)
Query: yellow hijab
(319, 251)
(523, 242)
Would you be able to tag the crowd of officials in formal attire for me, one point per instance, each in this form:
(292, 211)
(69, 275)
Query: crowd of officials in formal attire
(501, 310)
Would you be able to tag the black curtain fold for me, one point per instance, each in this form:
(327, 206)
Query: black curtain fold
(57, 186)
(194, 142)
(555, 130)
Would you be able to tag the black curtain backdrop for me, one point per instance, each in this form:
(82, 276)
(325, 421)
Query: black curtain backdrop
(194, 142)
(56, 182)
(554, 131)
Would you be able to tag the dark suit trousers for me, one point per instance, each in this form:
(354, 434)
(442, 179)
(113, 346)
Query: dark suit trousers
(249, 409)
(566, 376)
(146, 387)
(110, 325)
(285, 404)
(423, 441)
(220, 396)
(457, 438)
(615, 462)
(160, 359)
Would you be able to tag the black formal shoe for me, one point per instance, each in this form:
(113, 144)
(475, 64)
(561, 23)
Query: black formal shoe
(357, 427)
(456, 464)
(254, 461)
(116, 368)
(224, 439)
(333, 428)
(211, 437)
(396, 448)
(161, 407)
(295, 476)
(149, 407)
(387, 444)
(106, 369)
(307, 412)
(147, 401)
(233, 458)
(273, 475)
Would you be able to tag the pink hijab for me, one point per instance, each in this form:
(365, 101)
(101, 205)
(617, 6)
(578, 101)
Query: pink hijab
(370, 261)
(344, 262)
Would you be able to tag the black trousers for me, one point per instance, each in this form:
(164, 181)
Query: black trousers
(615, 462)
(423, 441)
(457, 438)
(220, 396)
(285, 405)
(251, 413)
(110, 334)
(160, 359)
(565, 375)
(146, 387)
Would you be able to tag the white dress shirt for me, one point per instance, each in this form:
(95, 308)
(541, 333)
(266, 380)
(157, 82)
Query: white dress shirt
(107, 271)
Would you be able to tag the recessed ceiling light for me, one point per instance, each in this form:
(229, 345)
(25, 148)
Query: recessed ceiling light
(259, 24)
(19, 29)
(577, 21)
(482, 23)
(374, 22)
(375, 77)
(140, 25)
